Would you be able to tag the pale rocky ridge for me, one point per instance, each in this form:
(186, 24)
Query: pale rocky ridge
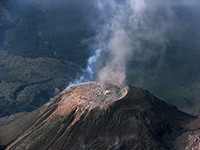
(102, 116)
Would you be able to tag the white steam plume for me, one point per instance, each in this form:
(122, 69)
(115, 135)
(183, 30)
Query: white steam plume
(89, 72)
(133, 29)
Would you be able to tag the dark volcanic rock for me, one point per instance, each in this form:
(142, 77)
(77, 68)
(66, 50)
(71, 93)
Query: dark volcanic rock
(26, 84)
(102, 116)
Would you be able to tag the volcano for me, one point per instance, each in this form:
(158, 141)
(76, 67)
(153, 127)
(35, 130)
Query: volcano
(97, 116)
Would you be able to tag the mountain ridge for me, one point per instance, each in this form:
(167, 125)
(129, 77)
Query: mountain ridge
(136, 120)
(26, 84)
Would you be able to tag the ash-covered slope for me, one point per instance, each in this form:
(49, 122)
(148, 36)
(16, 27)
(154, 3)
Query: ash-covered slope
(102, 116)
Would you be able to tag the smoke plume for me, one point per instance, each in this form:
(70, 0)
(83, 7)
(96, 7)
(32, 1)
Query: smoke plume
(129, 30)
(132, 29)
(88, 73)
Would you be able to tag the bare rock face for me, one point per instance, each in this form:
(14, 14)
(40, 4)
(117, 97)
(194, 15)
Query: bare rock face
(96, 116)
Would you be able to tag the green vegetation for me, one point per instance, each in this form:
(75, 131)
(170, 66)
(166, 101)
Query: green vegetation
(34, 34)
(5, 76)
(175, 80)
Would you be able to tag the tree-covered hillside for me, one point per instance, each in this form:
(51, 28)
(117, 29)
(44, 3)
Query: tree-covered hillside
(66, 30)
(31, 30)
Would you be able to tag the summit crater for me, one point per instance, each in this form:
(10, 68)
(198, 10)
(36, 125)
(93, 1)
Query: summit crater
(102, 117)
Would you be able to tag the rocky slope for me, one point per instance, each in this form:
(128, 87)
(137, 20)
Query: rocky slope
(103, 116)
(26, 84)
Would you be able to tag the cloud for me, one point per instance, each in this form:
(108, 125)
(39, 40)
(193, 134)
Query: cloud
(132, 29)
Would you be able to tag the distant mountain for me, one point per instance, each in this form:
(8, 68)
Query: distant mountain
(33, 31)
(66, 31)
(26, 84)
(103, 116)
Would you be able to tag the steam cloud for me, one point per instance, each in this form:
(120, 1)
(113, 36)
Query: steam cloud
(88, 73)
(136, 30)
(129, 30)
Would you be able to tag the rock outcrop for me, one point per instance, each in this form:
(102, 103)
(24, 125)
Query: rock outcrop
(103, 116)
